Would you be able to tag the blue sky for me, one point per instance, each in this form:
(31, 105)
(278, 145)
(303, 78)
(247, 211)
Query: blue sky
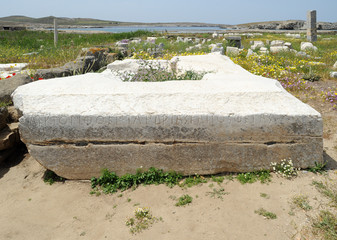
(209, 11)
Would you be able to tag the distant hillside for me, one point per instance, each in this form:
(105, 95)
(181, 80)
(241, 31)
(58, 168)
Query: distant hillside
(286, 25)
(26, 21)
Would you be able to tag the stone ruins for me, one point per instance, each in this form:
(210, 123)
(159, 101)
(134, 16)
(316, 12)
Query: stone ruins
(230, 121)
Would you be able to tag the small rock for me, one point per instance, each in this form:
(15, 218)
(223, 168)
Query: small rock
(13, 114)
(277, 43)
(288, 44)
(301, 54)
(232, 51)
(308, 46)
(215, 35)
(7, 138)
(8, 85)
(333, 74)
(276, 49)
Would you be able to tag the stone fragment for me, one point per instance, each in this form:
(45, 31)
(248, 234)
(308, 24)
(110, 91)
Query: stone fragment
(333, 74)
(308, 46)
(276, 49)
(288, 44)
(151, 39)
(8, 85)
(13, 114)
(232, 51)
(277, 43)
(257, 45)
(234, 41)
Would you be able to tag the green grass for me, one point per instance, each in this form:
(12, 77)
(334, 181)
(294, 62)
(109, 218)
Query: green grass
(184, 200)
(50, 177)
(328, 190)
(301, 201)
(326, 225)
(109, 182)
(5, 104)
(318, 168)
(193, 180)
(265, 213)
(263, 176)
(13, 44)
(217, 193)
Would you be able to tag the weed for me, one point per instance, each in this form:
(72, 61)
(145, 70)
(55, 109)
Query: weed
(142, 220)
(302, 202)
(129, 200)
(218, 180)
(193, 180)
(5, 103)
(318, 168)
(109, 182)
(326, 225)
(184, 200)
(217, 193)
(265, 213)
(51, 177)
(330, 191)
(264, 195)
(285, 168)
(263, 176)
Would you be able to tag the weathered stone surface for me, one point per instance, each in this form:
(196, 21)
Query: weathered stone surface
(277, 43)
(311, 26)
(7, 86)
(333, 74)
(230, 120)
(3, 117)
(232, 51)
(276, 49)
(308, 46)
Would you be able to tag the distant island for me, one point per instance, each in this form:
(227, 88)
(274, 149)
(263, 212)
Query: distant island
(47, 22)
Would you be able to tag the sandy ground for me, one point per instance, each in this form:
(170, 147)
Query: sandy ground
(31, 209)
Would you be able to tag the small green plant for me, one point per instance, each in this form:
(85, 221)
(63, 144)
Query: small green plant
(328, 190)
(263, 176)
(318, 168)
(109, 182)
(5, 103)
(285, 168)
(142, 220)
(325, 225)
(302, 202)
(218, 179)
(51, 177)
(184, 200)
(264, 195)
(217, 193)
(265, 213)
(193, 180)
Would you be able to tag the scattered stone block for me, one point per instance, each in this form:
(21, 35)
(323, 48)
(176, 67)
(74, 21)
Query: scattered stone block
(257, 45)
(231, 120)
(333, 74)
(8, 85)
(232, 51)
(151, 39)
(308, 46)
(234, 41)
(13, 114)
(277, 43)
(276, 49)
(288, 45)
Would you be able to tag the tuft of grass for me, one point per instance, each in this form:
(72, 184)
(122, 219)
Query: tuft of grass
(51, 177)
(218, 179)
(142, 220)
(263, 176)
(193, 180)
(217, 193)
(264, 195)
(184, 200)
(318, 168)
(328, 190)
(265, 213)
(302, 202)
(5, 103)
(325, 225)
